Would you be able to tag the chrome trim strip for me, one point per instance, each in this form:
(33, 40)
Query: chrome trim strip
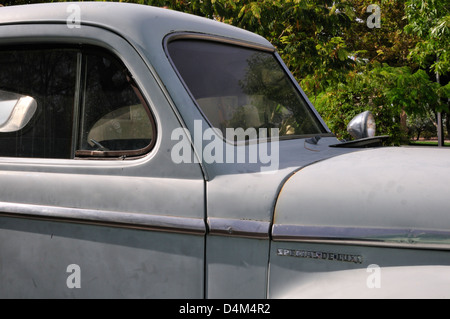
(239, 228)
(215, 38)
(194, 226)
(303, 94)
(391, 237)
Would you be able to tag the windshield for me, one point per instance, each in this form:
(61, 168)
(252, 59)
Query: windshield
(239, 87)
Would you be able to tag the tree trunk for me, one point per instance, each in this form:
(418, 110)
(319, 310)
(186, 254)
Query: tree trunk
(440, 129)
(403, 122)
(447, 123)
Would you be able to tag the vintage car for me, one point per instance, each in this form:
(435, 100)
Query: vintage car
(147, 153)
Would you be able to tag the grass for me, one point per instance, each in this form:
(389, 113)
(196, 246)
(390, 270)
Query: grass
(428, 143)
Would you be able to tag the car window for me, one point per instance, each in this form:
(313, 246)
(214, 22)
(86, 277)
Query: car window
(114, 117)
(240, 87)
(49, 76)
(86, 104)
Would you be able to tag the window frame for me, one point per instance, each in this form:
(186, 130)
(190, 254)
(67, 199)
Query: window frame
(81, 50)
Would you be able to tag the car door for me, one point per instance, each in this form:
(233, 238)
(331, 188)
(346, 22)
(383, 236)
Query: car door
(91, 205)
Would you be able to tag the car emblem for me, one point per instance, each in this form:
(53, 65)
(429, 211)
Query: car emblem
(332, 256)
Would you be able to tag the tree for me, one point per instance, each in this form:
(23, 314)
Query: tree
(430, 21)
(398, 87)
(421, 124)
(19, 2)
(388, 44)
(343, 65)
(385, 91)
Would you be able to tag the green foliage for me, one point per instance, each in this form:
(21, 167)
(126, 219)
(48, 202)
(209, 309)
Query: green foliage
(430, 21)
(344, 66)
(385, 91)
(19, 2)
(388, 44)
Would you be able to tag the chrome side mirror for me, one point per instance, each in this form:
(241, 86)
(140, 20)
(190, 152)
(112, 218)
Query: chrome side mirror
(362, 126)
(15, 111)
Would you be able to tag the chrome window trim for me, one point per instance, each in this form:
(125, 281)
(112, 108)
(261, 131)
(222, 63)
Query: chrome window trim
(77, 104)
(364, 236)
(303, 94)
(239, 228)
(183, 225)
(215, 38)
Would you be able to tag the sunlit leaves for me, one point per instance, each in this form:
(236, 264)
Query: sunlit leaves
(384, 90)
(430, 21)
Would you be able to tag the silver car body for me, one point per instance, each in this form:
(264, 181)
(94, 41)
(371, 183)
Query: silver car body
(319, 226)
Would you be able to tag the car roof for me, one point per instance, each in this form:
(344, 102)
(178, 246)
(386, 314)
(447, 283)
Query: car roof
(129, 20)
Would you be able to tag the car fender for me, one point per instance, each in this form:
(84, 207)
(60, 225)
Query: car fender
(375, 282)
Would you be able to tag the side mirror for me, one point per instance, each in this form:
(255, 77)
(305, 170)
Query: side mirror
(362, 126)
(15, 111)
